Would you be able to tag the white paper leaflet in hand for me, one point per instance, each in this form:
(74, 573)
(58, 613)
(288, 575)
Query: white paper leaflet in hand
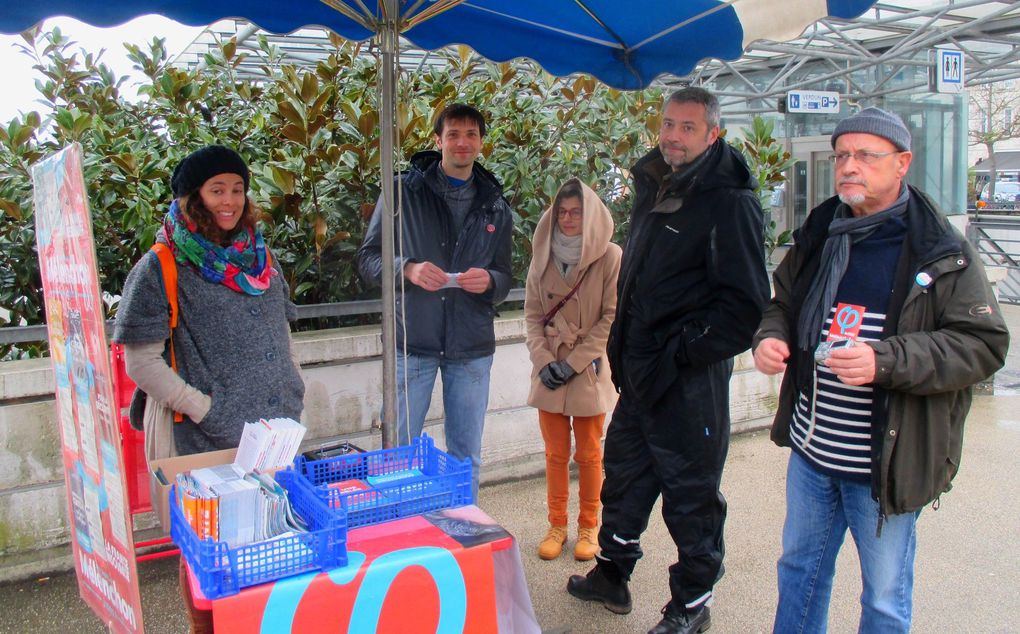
(451, 281)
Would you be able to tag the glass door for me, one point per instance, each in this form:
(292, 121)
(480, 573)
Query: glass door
(823, 186)
(811, 177)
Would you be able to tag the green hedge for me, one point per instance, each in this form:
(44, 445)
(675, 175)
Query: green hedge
(311, 138)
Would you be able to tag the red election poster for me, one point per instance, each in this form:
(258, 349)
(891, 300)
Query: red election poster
(101, 536)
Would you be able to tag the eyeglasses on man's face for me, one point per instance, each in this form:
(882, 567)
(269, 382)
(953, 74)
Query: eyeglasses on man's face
(573, 213)
(867, 157)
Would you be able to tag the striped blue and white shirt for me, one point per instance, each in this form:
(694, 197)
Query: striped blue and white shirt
(839, 441)
(834, 433)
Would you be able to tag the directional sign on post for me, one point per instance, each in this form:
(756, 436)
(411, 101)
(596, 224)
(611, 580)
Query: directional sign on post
(812, 101)
(949, 71)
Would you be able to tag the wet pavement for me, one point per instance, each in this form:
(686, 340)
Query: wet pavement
(967, 578)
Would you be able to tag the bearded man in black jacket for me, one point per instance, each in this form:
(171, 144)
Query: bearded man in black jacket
(692, 289)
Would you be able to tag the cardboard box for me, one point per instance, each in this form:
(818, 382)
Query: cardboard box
(170, 467)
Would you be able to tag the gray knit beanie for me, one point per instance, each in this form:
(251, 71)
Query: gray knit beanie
(878, 122)
(202, 164)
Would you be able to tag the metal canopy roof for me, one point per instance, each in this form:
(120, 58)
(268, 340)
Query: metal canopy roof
(858, 58)
(888, 39)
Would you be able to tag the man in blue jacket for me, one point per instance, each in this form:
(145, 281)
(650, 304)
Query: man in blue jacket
(453, 246)
(692, 288)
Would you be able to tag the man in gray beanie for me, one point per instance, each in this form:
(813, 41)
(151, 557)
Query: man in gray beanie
(882, 320)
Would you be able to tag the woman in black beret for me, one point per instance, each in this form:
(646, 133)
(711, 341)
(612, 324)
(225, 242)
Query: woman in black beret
(232, 340)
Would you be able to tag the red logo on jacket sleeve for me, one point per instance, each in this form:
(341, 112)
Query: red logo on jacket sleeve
(491, 228)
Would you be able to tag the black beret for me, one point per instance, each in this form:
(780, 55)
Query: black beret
(201, 165)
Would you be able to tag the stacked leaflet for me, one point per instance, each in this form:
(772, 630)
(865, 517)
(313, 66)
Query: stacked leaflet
(225, 504)
(274, 514)
(269, 444)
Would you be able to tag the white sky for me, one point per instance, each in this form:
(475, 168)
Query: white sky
(19, 92)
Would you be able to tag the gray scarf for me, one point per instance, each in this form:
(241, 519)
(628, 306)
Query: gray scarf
(566, 250)
(844, 231)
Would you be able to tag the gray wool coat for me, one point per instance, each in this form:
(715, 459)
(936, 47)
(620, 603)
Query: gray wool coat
(231, 346)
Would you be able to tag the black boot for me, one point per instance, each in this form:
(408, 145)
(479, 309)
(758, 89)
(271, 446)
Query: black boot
(679, 621)
(597, 586)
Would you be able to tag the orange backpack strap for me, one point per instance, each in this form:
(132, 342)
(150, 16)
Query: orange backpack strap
(168, 269)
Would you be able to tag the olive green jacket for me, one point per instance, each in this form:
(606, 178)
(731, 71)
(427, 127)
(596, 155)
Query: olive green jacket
(944, 333)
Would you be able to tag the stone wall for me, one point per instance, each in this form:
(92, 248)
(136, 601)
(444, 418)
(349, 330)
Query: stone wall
(342, 371)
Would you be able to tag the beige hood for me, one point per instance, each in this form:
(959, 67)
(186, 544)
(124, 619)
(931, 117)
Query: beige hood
(597, 230)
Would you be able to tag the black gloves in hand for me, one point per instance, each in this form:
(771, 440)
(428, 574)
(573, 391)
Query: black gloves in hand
(555, 374)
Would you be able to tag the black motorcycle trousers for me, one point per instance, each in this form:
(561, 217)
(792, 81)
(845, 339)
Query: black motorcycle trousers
(675, 448)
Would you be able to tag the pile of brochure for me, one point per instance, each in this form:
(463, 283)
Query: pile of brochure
(239, 503)
(269, 444)
(223, 503)
(355, 494)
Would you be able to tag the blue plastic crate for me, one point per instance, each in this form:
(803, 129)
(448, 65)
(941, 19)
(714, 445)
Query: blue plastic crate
(223, 571)
(401, 482)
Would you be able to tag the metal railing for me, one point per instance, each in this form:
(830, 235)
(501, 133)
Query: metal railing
(31, 334)
(997, 240)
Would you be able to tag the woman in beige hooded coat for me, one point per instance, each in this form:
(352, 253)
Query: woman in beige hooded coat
(569, 306)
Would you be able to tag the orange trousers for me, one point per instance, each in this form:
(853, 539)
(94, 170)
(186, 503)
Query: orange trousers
(588, 456)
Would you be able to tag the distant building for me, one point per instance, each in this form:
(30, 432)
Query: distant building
(1007, 167)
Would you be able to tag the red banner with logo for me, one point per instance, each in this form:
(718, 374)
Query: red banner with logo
(101, 536)
(413, 576)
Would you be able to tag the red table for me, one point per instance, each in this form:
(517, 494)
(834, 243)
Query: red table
(449, 571)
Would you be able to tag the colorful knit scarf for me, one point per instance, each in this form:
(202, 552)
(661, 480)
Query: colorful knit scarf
(241, 266)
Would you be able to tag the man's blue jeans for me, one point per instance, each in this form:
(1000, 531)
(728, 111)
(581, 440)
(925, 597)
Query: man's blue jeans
(465, 400)
(819, 509)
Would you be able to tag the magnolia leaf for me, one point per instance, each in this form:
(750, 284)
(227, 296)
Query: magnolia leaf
(350, 110)
(339, 236)
(11, 208)
(22, 135)
(320, 232)
(366, 123)
(125, 161)
(302, 288)
(315, 125)
(309, 87)
(283, 179)
(320, 101)
(295, 134)
(290, 113)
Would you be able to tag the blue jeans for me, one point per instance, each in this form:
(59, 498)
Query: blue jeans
(465, 400)
(819, 509)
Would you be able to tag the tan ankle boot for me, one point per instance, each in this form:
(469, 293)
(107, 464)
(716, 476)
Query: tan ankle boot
(552, 545)
(587, 544)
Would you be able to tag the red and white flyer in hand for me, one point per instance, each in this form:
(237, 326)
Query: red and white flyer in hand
(846, 322)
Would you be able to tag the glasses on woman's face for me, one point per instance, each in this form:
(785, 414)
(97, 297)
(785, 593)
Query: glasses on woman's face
(572, 213)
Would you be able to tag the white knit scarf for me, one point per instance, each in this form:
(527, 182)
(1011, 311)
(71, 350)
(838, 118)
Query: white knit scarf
(566, 250)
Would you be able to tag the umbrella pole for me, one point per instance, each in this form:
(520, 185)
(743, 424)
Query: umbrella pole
(388, 45)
